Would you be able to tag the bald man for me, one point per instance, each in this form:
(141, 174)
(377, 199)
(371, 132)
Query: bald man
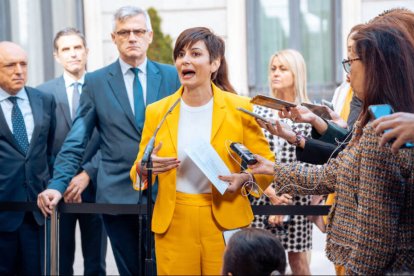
(27, 123)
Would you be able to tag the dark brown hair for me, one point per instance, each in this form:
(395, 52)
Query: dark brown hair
(216, 49)
(354, 29)
(387, 53)
(68, 31)
(402, 17)
(253, 251)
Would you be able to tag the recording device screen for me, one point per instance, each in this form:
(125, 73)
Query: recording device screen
(270, 102)
(252, 114)
(320, 110)
(380, 110)
(328, 104)
(244, 153)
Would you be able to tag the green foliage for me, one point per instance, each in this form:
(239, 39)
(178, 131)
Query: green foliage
(161, 49)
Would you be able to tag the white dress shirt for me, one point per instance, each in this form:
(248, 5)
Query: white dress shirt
(24, 105)
(129, 80)
(194, 124)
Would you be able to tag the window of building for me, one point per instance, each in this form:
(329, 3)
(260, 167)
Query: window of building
(33, 24)
(310, 26)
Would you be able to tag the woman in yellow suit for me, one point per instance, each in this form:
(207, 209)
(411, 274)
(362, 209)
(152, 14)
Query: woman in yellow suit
(190, 214)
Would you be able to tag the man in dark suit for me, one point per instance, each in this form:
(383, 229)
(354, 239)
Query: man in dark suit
(70, 51)
(27, 122)
(113, 101)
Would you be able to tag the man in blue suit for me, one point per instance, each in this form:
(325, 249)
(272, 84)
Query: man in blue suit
(113, 101)
(27, 122)
(70, 51)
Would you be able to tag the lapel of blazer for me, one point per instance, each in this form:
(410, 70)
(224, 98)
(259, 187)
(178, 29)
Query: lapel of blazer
(62, 100)
(5, 130)
(36, 104)
(116, 82)
(172, 119)
(219, 110)
(153, 82)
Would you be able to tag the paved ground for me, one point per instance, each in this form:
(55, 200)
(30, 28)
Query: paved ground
(320, 265)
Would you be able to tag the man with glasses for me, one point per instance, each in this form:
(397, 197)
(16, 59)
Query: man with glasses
(114, 100)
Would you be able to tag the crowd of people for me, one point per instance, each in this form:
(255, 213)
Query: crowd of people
(82, 137)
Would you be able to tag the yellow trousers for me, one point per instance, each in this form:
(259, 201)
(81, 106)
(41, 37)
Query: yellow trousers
(193, 243)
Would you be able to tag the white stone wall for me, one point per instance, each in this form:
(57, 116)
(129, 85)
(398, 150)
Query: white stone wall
(361, 11)
(225, 17)
(371, 8)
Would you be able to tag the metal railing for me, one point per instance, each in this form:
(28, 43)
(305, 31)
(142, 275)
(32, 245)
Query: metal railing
(51, 260)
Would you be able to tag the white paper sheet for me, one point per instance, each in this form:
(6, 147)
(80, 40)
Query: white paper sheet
(228, 234)
(209, 162)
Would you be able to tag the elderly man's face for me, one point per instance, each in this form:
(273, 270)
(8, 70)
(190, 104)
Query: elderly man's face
(132, 47)
(13, 67)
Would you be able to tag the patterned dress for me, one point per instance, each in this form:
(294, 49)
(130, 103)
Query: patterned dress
(296, 235)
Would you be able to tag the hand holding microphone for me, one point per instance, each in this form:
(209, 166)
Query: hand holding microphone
(159, 164)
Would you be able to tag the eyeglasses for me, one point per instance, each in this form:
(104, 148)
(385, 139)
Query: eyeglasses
(347, 64)
(127, 33)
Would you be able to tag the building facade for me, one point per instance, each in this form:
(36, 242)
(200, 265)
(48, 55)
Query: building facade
(252, 29)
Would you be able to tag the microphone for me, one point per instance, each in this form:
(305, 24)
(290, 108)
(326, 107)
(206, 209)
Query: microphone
(150, 146)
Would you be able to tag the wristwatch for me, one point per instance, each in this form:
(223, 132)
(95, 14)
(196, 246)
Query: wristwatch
(298, 138)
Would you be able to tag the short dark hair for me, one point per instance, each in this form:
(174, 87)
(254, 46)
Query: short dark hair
(216, 48)
(68, 31)
(254, 251)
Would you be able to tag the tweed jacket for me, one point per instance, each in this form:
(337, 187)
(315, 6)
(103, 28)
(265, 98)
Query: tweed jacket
(371, 225)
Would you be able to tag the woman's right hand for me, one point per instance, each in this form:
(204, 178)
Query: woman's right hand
(263, 166)
(160, 164)
(284, 199)
(275, 220)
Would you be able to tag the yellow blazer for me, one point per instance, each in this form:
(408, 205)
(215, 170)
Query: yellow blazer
(230, 210)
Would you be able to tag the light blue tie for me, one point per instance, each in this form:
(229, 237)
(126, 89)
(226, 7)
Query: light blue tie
(139, 105)
(19, 127)
(75, 99)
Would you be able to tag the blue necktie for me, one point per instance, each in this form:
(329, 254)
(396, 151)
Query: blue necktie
(139, 105)
(75, 99)
(19, 127)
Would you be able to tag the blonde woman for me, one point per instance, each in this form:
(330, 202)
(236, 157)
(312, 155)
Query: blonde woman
(287, 81)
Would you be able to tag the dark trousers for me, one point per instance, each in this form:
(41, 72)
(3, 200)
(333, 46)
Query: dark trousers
(123, 232)
(93, 240)
(21, 250)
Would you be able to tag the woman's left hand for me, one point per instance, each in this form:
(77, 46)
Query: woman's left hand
(278, 128)
(298, 114)
(159, 164)
(336, 118)
(235, 180)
